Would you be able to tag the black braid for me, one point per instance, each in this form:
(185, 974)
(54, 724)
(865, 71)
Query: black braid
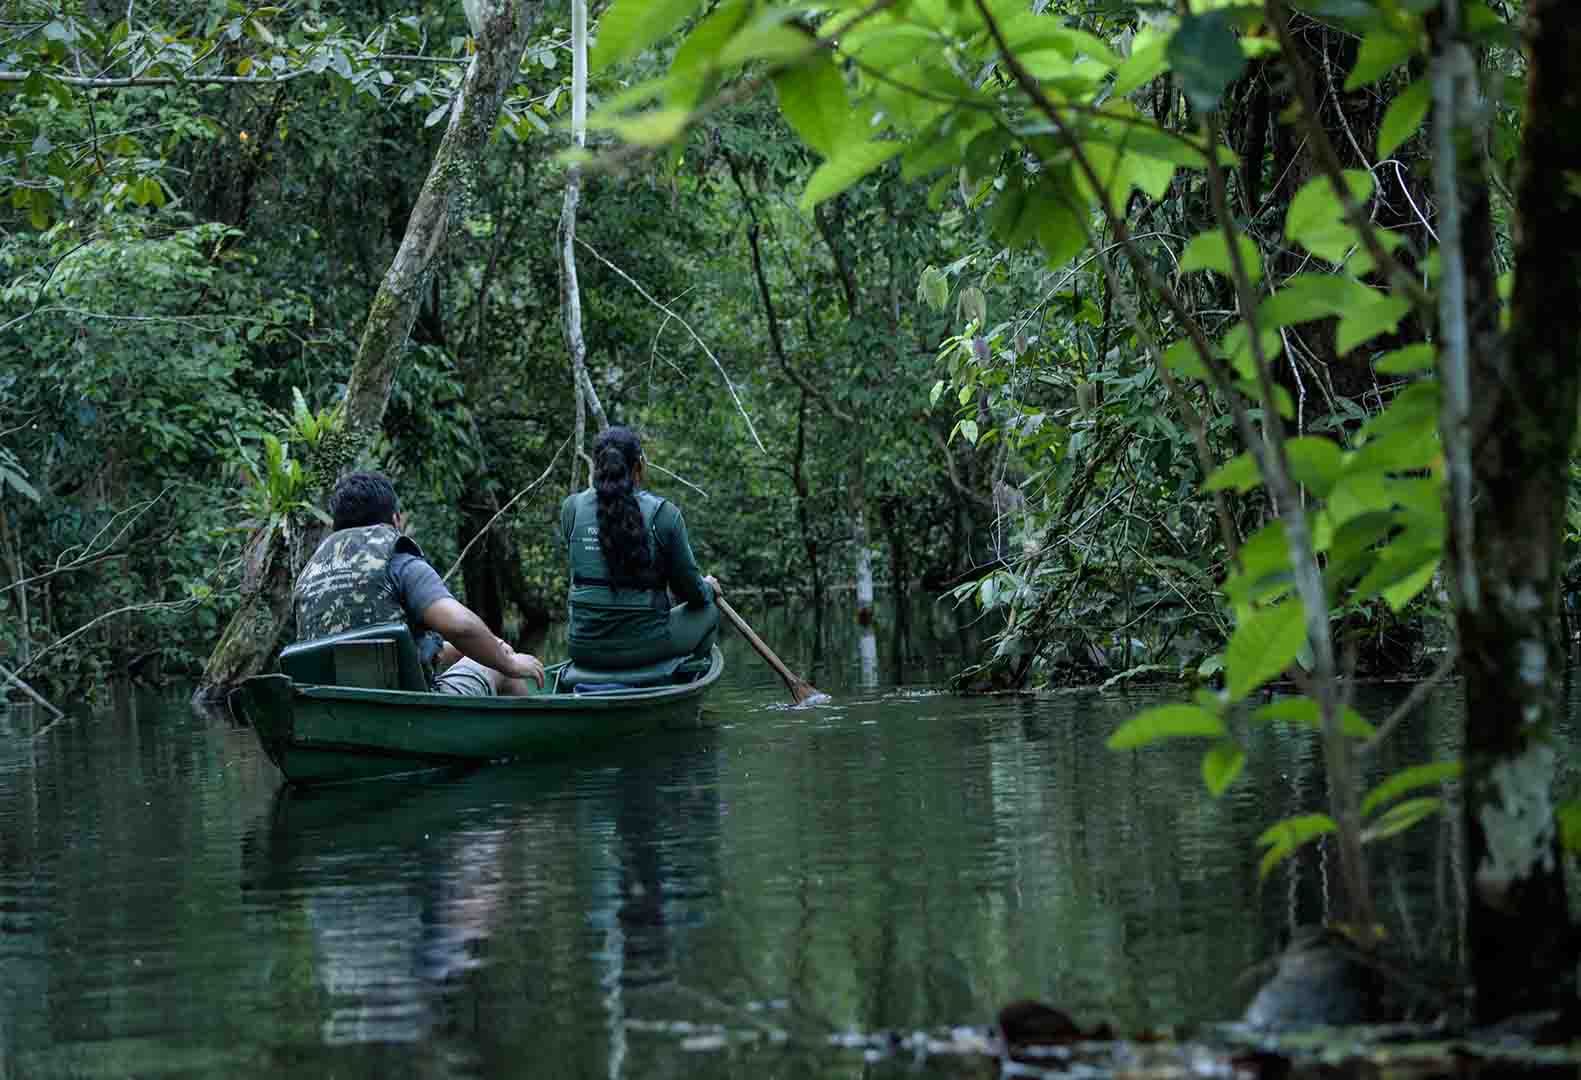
(621, 536)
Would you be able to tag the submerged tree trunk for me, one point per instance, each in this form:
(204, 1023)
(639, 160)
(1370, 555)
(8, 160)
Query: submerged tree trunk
(261, 621)
(1522, 426)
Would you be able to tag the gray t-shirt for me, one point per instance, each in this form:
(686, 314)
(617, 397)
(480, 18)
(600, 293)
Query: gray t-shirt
(417, 585)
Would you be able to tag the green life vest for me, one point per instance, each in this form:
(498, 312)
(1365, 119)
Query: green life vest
(592, 584)
(346, 584)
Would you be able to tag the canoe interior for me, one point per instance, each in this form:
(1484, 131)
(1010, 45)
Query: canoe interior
(333, 734)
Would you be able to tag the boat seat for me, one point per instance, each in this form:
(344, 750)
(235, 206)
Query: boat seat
(579, 679)
(382, 657)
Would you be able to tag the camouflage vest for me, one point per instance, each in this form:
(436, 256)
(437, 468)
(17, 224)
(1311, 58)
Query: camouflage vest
(345, 585)
(592, 585)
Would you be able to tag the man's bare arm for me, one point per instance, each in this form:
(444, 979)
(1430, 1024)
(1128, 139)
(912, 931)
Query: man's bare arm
(472, 638)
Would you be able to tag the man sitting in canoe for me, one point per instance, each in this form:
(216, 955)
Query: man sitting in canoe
(629, 551)
(368, 572)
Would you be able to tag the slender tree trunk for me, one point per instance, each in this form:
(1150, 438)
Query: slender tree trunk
(1522, 425)
(261, 621)
(859, 535)
(570, 291)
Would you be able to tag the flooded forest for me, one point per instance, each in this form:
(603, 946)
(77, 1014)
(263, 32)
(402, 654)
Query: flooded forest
(1151, 426)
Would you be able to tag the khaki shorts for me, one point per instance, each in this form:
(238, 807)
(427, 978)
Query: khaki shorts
(466, 678)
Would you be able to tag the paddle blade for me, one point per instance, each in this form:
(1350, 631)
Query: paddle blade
(805, 693)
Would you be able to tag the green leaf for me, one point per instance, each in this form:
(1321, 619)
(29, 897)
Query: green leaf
(812, 97)
(1265, 568)
(1417, 776)
(1239, 474)
(1166, 722)
(1305, 712)
(765, 38)
(1381, 52)
(1182, 356)
(1148, 60)
(1207, 56)
(1399, 818)
(1371, 314)
(1210, 251)
(1315, 462)
(1316, 218)
(1569, 817)
(436, 114)
(1263, 646)
(934, 288)
(698, 55)
(654, 127)
(1408, 361)
(1221, 765)
(1403, 116)
(1285, 837)
(968, 430)
(629, 26)
(854, 161)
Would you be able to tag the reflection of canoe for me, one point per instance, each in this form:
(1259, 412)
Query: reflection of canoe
(319, 734)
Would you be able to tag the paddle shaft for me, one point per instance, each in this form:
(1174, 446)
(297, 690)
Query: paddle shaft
(791, 679)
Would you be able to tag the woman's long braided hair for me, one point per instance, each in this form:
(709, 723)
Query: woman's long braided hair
(621, 536)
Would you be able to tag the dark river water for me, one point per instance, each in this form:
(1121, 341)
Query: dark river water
(752, 900)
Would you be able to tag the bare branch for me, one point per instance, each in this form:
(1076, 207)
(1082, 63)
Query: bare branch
(700, 342)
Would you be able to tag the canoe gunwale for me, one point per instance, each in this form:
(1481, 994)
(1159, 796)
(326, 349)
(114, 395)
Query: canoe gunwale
(428, 699)
(289, 720)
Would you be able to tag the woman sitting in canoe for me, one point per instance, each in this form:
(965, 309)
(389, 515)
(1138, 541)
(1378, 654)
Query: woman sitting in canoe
(629, 552)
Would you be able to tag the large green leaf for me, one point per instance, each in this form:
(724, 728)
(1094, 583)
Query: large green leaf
(1205, 53)
(1569, 817)
(854, 161)
(812, 97)
(1305, 711)
(1315, 461)
(1370, 314)
(1221, 765)
(1210, 251)
(1263, 646)
(1381, 52)
(1316, 218)
(629, 26)
(1239, 474)
(1148, 60)
(1401, 817)
(1411, 779)
(1404, 116)
(1283, 838)
(1166, 722)
(1408, 361)
(698, 56)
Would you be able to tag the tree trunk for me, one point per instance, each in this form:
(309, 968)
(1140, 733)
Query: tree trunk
(570, 291)
(256, 630)
(857, 494)
(1522, 425)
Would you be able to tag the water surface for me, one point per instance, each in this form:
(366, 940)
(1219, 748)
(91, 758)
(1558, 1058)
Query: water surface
(745, 898)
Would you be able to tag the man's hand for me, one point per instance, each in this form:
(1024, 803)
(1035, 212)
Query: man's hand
(523, 666)
(713, 583)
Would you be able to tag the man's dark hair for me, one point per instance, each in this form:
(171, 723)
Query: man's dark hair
(363, 498)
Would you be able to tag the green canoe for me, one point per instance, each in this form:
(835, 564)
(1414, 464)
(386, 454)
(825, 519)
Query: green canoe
(318, 733)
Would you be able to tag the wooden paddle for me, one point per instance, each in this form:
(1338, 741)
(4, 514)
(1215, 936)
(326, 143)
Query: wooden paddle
(802, 692)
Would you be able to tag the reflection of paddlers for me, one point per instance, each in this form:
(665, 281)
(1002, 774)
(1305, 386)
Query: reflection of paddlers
(629, 552)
